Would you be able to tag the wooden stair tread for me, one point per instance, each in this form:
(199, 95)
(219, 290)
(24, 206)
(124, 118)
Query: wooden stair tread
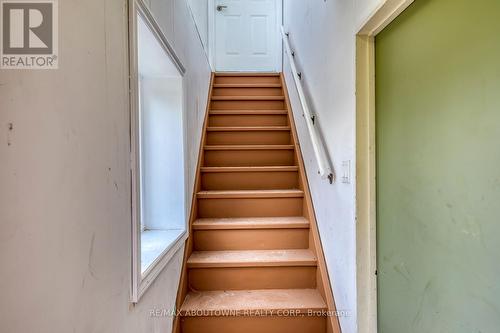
(248, 98)
(248, 112)
(247, 128)
(247, 85)
(251, 258)
(250, 169)
(250, 147)
(298, 222)
(246, 74)
(241, 300)
(250, 194)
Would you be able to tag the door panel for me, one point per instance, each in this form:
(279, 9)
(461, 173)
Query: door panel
(438, 168)
(232, 43)
(246, 35)
(258, 27)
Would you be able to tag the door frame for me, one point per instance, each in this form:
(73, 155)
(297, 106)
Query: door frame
(366, 201)
(211, 35)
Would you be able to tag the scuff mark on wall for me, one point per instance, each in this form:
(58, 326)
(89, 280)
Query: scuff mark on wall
(421, 306)
(402, 270)
(91, 254)
(115, 183)
(10, 127)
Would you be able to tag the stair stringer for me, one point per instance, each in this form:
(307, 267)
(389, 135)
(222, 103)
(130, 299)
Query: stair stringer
(323, 279)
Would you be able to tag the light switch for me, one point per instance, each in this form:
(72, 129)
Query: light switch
(346, 172)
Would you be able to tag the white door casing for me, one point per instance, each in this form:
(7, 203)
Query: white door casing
(246, 35)
(366, 226)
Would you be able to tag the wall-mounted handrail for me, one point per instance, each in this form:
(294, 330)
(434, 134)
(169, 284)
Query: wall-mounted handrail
(325, 170)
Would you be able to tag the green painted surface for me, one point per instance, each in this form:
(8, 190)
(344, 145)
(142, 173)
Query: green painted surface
(438, 168)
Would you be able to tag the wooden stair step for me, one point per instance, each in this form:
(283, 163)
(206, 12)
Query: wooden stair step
(251, 238)
(247, 128)
(248, 135)
(290, 168)
(250, 203)
(247, 78)
(249, 147)
(270, 102)
(239, 74)
(250, 194)
(248, 155)
(247, 85)
(248, 98)
(251, 233)
(219, 204)
(238, 118)
(210, 302)
(247, 112)
(249, 178)
(298, 222)
(247, 269)
(247, 90)
(253, 258)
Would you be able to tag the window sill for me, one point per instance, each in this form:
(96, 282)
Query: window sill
(154, 243)
(166, 243)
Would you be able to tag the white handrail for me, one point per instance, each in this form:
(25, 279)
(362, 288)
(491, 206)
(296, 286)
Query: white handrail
(325, 170)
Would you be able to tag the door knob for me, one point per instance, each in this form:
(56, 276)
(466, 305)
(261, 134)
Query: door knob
(220, 8)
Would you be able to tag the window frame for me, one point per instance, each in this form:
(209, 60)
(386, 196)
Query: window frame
(141, 282)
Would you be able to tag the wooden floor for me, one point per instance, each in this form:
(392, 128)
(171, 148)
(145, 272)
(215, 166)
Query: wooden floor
(253, 262)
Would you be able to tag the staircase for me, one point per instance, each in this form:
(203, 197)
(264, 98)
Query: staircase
(253, 262)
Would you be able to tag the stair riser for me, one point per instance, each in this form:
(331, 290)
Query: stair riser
(246, 79)
(260, 324)
(249, 207)
(248, 138)
(249, 180)
(247, 92)
(203, 279)
(249, 157)
(258, 239)
(247, 105)
(247, 120)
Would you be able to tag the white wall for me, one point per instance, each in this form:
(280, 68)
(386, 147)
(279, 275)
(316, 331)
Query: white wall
(363, 9)
(65, 220)
(322, 33)
(199, 8)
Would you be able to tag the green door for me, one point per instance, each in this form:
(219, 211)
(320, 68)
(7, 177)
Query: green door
(438, 168)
